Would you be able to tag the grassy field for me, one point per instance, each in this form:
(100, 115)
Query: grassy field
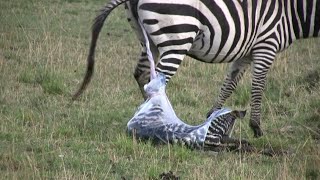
(43, 48)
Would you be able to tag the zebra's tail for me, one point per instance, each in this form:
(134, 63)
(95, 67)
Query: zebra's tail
(96, 28)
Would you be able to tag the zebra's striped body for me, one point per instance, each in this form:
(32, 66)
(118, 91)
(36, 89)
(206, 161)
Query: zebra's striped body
(219, 31)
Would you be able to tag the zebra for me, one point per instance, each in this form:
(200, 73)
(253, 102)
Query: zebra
(243, 33)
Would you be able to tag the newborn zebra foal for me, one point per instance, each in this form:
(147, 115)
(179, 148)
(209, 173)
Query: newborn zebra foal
(218, 136)
(156, 120)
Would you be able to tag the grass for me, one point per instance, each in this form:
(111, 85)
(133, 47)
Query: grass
(43, 47)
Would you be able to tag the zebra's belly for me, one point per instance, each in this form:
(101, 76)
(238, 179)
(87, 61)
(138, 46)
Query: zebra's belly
(213, 56)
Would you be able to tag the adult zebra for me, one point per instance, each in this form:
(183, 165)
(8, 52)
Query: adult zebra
(215, 31)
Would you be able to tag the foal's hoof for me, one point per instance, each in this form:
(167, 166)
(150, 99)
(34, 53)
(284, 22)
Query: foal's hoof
(211, 111)
(257, 131)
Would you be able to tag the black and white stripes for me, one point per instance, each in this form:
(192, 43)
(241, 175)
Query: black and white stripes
(217, 31)
(221, 128)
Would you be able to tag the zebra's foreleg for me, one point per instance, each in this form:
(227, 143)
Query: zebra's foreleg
(236, 72)
(262, 60)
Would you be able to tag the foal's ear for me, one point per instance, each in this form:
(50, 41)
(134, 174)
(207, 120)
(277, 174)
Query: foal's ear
(239, 114)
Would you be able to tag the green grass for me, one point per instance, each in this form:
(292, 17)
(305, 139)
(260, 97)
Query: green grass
(43, 48)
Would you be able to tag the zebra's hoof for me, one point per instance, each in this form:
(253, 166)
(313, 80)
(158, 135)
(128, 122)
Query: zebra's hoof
(257, 131)
(209, 113)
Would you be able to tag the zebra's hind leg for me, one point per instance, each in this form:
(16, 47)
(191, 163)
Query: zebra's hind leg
(142, 69)
(236, 72)
(171, 57)
(232, 141)
(262, 61)
(232, 144)
(227, 143)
